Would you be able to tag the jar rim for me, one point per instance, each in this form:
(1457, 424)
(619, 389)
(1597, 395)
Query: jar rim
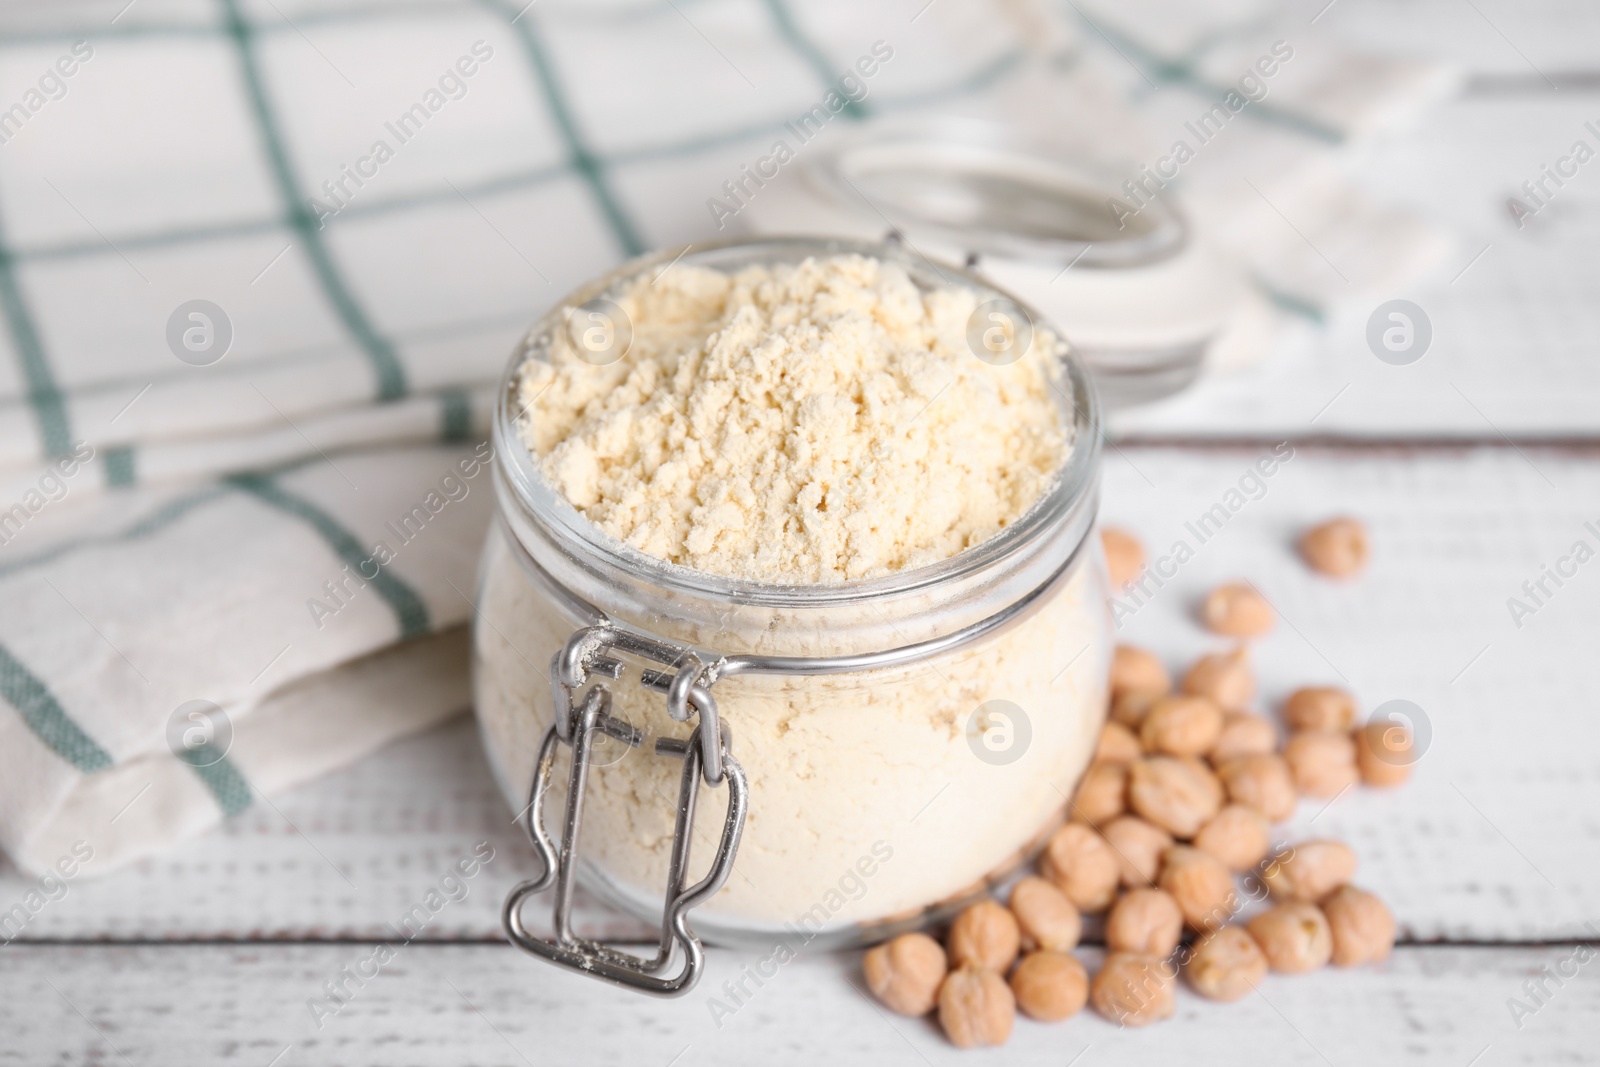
(542, 503)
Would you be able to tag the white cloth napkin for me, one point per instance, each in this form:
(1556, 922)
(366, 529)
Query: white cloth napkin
(275, 597)
(157, 154)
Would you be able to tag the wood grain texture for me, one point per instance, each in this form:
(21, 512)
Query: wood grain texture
(1494, 838)
(435, 1004)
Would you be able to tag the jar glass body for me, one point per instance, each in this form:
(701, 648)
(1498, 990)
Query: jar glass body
(878, 796)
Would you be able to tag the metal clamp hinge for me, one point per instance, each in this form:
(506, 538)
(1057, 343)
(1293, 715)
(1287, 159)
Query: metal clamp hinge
(706, 758)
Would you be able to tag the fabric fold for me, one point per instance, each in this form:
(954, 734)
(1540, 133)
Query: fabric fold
(220, 598)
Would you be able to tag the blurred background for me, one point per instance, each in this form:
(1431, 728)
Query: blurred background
(263, 264)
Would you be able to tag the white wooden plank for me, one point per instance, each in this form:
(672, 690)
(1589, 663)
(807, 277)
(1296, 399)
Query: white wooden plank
(483, 1004)
(1501, 802)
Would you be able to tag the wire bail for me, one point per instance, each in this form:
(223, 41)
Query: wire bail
(706, 758)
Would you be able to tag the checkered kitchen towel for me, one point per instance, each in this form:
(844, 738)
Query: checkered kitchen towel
(261, 263)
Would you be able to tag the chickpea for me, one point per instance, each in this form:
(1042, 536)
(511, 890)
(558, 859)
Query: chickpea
(1178, 795)
(1311, 870)
(1323, 762)
(1362, 927)
(1136, 680)
(1129, 709)
(984, 935)
(1238, 836)
(1124, 555)
(976, 1007)
(1100, 795)
(1294, 936)
(1133, 669)
(1050, 986)
(1082, 866)
(1046, 918)
(1227, 965)
(1144, 920)
(1118, 744)
(1384, 753)
(1243, 734)
(1139, 846)
(1319, 708)
(1225, 677)
(1201, 886)
(905, 973)
(1237, 609)
(1338, 548)
(1133, 989)
(1181, 726)
(1263, 782)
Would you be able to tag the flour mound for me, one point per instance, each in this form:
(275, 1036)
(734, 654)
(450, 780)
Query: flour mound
(796, 425)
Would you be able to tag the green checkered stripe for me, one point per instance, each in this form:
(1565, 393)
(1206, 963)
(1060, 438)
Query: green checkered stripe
(1184, 72)
(21, 687)
(595, 170)
(49, 720)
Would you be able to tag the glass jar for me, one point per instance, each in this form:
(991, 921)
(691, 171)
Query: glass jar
(907, 740)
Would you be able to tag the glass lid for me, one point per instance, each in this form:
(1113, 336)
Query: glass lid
(973, 186)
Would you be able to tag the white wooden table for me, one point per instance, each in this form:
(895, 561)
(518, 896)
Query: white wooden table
(1473, 468)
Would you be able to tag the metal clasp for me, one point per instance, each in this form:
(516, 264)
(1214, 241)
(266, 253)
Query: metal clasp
(706, 757)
